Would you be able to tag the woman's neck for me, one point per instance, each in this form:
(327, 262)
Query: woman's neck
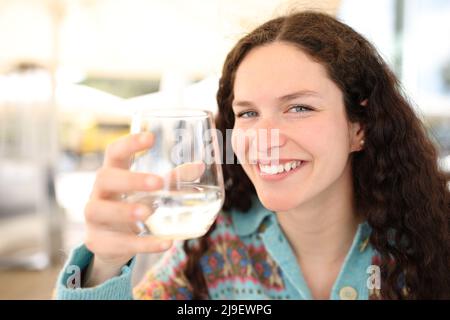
(321, 233)
(322, 230)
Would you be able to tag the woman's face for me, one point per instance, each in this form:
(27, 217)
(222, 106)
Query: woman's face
(277, 86)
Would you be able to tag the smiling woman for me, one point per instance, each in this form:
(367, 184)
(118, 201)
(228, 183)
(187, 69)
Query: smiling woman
(344, 201)
(365, 155)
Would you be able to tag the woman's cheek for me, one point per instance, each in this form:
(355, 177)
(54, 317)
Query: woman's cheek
(331, 153)
(321, 135)
(239, 143)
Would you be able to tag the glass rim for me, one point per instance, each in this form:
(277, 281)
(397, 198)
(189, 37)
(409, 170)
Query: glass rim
(173, 113)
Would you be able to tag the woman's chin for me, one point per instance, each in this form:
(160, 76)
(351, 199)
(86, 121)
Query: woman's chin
(278, 202)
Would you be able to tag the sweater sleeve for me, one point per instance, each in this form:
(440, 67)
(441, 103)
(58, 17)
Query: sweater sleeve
(69, 280)
(166, 279)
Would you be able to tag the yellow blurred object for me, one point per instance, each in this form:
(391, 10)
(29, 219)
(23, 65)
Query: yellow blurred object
(96, 137)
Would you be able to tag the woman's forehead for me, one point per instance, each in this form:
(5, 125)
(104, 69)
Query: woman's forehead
(279, 69)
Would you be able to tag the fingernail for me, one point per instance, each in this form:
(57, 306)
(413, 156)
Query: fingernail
(139, 212)
(152, 182)
(165, 245)
(144, 138)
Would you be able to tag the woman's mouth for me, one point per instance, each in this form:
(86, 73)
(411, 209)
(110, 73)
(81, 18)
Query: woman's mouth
(272, 172)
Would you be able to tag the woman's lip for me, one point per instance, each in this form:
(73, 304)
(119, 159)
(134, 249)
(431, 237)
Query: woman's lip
(278, 176)
(275, 162)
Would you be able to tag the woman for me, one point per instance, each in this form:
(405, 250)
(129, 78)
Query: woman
(355, 208)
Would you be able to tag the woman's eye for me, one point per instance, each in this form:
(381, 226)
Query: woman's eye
(247, 114)
(299, 108)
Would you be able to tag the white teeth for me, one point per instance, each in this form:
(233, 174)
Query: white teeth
(287, 167)
(275, 169)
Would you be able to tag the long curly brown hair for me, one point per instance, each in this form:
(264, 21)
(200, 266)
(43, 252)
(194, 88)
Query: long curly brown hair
(397, 182)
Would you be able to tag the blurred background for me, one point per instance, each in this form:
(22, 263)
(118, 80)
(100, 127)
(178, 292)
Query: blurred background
(73, 71)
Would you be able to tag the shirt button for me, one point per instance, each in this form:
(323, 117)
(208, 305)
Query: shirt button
(348, 293)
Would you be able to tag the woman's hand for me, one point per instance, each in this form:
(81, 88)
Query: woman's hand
(111, 230)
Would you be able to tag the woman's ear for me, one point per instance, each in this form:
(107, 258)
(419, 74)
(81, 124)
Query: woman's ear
(357, 133)
(356, 137)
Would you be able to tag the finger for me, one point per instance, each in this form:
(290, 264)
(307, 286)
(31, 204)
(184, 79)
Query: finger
(187, 172)
(113, 181)
(104, 212)
(119, 153)
(111, 243)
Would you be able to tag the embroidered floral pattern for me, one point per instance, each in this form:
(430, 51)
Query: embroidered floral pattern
(166, 281)
(229, 259)
(233, 267)
(152, 288)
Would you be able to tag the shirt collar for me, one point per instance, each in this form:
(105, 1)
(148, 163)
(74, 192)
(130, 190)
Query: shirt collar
(246, 223)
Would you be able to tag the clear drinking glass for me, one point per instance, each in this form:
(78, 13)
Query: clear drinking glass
(186, 154)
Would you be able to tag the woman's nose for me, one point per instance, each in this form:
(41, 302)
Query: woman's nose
(268, 135)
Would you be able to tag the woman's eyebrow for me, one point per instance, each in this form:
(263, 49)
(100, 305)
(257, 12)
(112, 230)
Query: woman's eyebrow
(286, 97)
(299, 94)
(242, 103)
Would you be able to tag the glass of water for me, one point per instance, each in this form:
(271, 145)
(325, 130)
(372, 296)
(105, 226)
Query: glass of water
(186, 154)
